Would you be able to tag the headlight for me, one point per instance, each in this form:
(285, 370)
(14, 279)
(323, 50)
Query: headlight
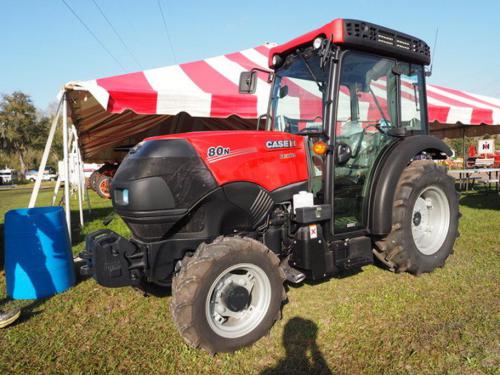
(125, 196)
(317, 42)
(121, 197)
(277, 61)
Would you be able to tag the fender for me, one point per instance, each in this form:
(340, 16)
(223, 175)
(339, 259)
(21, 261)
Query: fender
(388, 171)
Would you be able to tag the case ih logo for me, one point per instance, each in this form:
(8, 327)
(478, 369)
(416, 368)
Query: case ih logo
(280, 143)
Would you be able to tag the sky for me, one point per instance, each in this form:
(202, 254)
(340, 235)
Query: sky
(43, 45)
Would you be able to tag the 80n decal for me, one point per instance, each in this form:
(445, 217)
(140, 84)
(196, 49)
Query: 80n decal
(218, 151)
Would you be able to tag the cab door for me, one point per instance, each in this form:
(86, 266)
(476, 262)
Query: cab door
(366, 109)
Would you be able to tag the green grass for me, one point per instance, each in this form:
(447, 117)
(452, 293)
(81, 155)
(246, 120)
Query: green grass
(371, 322)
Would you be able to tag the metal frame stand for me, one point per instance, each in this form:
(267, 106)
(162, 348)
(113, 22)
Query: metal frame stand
(72, 161)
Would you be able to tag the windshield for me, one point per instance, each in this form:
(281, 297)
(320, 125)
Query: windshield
(299, 93)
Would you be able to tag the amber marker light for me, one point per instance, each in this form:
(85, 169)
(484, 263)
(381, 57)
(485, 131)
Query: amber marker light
(320, 148)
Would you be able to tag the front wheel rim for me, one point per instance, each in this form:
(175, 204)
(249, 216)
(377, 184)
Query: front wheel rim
(238, 300)
(430, 221)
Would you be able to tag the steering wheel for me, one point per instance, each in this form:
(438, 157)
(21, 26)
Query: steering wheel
(347, 125)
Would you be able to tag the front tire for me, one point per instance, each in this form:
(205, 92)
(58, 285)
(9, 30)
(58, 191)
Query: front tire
(424, 220)
(228, 294)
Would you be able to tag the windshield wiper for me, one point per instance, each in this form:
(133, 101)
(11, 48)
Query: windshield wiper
(320, 86)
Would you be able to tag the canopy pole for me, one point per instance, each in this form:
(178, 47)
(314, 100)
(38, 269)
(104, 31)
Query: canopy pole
(81, 185)
(85, 190)
(89, 207)
(56, 190)
(45, 156)
(78, 165)
(463, 145)
(66, 164)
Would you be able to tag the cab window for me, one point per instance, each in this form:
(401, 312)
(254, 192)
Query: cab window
(412, 81)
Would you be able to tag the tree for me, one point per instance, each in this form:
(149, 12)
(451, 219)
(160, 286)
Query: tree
(20, 129)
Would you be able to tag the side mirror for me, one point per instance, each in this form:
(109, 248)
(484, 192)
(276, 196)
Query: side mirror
(342, 153)
(248, 82)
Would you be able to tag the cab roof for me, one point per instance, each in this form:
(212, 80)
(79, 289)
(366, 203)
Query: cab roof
(362, 35)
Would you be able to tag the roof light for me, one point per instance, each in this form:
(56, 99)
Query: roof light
(317, 42)
(277, 60)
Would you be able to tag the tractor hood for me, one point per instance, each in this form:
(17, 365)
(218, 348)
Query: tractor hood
(164, 177)
(269, 159)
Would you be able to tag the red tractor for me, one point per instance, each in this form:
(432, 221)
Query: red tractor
(342, 176)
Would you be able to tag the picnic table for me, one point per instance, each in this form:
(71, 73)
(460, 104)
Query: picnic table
(471, 175)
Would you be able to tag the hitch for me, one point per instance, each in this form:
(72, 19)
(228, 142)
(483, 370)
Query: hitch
(113, 260)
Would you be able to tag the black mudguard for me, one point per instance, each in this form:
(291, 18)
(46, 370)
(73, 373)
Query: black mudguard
(388, 171)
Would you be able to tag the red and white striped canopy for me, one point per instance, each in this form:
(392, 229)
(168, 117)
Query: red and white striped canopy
(209, 88)
(121, 106)
(205, 88)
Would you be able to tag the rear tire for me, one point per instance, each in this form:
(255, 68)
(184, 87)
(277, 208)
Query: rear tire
(93, 180)
(207, 304)
(103, 186)
(424, 220)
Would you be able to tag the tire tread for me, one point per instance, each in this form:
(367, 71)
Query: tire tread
(393, 253)
(188, 281)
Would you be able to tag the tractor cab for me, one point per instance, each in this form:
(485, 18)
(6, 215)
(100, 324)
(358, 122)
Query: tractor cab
(353, 89)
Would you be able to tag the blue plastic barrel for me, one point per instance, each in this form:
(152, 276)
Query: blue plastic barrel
(38, 259)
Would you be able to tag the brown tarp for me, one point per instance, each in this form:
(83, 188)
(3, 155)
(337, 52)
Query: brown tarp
(101, 133)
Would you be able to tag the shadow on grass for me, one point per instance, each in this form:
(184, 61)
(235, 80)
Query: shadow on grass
(489, 200)
(302, 353)
(340, 275)
(150, 289)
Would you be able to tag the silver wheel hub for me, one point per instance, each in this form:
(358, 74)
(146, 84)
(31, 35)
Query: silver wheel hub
(238, 300)
(430, 220)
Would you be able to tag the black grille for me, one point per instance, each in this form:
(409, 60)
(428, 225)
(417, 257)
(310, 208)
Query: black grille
(261, 206)
(377, 38)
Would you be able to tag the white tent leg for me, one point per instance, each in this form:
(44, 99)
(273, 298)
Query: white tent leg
(88, 200)
(66, 164)
(80, 198)
(56, 190)
(82, 182)
(79, 171)
(45, 156)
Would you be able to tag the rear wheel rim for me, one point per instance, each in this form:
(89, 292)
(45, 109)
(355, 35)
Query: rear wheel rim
(430, 221)
(228, 313)
(104, 187)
